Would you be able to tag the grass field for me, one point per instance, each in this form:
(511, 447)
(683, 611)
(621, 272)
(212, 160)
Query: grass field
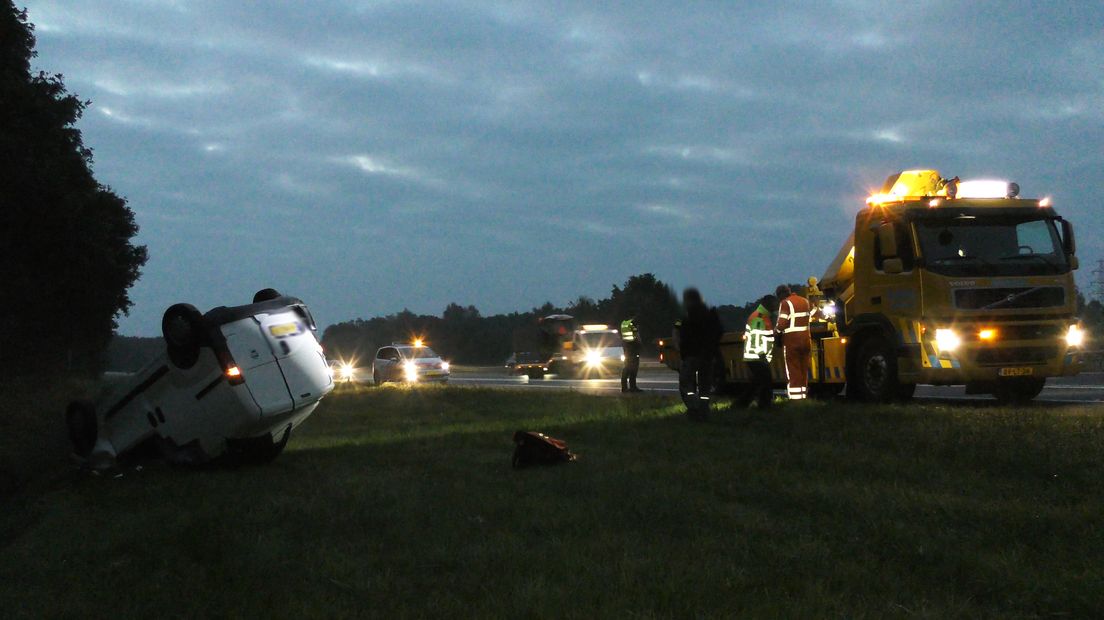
(400, 502)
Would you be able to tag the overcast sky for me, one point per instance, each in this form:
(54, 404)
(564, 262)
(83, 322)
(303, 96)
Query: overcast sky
(374, 156)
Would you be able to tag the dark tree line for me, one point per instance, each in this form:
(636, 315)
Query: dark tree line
(463, 334)
(65, 239)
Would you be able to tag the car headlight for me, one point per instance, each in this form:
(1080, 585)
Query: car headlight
(622, 357)
(1075, 337)
(947, 340)
(444, 365)
(411, 370)
(593, 358)
(347, 371)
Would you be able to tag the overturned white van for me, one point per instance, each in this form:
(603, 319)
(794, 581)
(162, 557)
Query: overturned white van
(234, 381)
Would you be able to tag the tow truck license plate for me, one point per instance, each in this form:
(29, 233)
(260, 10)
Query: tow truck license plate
(1016, 372)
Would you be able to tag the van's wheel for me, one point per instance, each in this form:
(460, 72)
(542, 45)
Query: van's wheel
(80, 420)
(875, 372)
(1018, 391)
(182, 328)
(266, 294)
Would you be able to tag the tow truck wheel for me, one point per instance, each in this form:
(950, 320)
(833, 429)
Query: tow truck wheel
(182, 328)
(1018, 391)
(80, 419)
(875, 372)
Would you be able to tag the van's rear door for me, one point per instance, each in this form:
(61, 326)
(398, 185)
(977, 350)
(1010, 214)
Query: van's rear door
(298, 354)
(257, 360)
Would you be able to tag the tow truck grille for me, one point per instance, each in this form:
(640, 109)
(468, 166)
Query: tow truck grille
(1023, 331)
(978, 298)
(1016, 356)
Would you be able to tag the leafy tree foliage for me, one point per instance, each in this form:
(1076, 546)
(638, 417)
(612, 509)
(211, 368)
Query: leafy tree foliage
(460, 334)
(65, 239)
(463, 334)
(1091, 314)
(650, 300)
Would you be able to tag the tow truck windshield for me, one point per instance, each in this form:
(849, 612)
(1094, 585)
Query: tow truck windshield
(968, 245)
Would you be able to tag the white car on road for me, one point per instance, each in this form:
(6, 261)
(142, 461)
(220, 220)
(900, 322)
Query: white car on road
(411, 363)
(234, 380)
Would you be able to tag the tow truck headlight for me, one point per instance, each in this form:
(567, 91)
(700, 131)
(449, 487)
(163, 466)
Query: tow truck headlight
(829, 310)
(947, 340)
(411, 371)
(987, 334)
(1074, 336)
(593, 358)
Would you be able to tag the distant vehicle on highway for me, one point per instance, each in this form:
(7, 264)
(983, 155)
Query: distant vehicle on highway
(342, 372)
(410, 363)
(531, 364)
(235, 380)
(595, 351)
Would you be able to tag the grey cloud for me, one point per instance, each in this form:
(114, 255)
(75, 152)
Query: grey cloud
(370, 156)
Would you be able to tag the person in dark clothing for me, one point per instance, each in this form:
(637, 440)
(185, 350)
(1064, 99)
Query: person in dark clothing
(630, 347)
(699, 336)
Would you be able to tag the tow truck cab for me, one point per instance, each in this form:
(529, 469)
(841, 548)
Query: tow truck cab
(948, 282)
(942, 282)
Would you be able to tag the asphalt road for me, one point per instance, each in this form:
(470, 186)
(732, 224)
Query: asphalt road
(1084, 388)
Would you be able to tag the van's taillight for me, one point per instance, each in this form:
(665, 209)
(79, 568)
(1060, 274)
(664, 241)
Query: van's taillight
(234, 375)
(231, 370)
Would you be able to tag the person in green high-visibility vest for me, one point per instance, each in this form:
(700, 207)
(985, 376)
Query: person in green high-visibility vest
(630, 348)
(758, 349)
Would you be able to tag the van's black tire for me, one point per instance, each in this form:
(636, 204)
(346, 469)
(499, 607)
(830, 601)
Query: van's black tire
(80, 420)
(183, 330)
(1018, 391)
(265, 294)
(874, 376)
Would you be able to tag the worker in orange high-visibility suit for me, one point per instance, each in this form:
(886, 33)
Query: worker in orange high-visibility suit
(794, 313)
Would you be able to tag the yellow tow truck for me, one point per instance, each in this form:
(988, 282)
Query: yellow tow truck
(942, 282)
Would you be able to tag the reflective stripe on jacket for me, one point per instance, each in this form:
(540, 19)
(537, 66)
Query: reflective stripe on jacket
(793, 315)
(628, 330)
(758, 336)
